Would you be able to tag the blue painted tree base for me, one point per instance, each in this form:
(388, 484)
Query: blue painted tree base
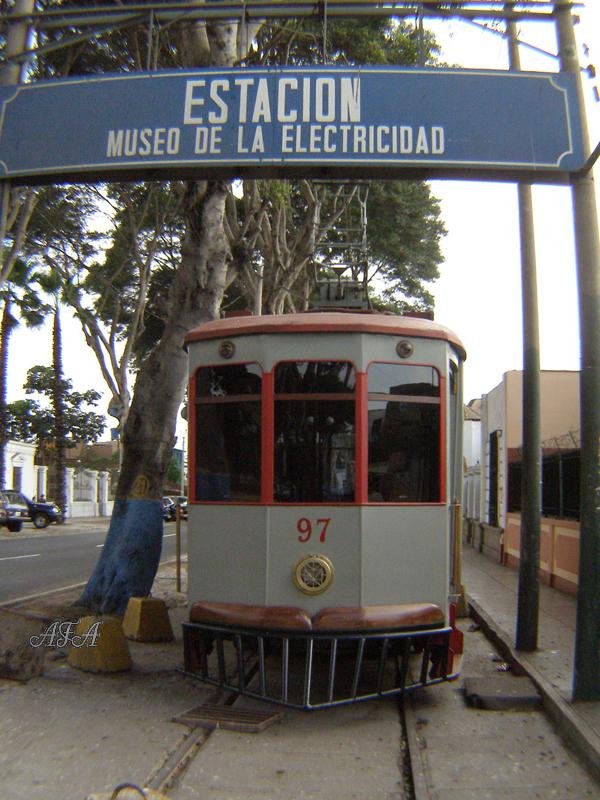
(130, 557)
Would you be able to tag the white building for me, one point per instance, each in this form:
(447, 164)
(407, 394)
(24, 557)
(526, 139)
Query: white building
(21, 473)
(87, 490)
(472, 460)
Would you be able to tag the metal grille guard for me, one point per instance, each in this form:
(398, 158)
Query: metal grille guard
(310, 670)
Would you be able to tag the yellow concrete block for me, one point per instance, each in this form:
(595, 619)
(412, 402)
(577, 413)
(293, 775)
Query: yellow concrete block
(147, 620)
(99, 645)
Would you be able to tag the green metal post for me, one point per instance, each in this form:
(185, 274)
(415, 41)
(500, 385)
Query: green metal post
(10, 73)
(16, 41)
(531, 489)
(586, 672)
(531, 477)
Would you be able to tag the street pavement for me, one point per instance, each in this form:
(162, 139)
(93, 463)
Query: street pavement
(34, 561)
(68, 735)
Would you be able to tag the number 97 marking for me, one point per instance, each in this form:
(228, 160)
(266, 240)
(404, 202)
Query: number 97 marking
(305, 528)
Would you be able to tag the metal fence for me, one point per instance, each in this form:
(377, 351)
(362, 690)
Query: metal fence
(560, 484)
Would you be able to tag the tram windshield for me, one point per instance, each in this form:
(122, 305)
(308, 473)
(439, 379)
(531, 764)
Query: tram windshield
(314, 432)
(310, 420)
(404, 433)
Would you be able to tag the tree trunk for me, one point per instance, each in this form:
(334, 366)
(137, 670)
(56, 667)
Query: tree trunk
(131, 554)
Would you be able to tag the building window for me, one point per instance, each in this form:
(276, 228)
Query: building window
(494, 479)
(228, 433)
(560, 485)
(314, 432)
(17, 479)
(404, 434)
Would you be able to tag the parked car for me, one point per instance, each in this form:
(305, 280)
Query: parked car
(18, 513)
(170, 506)
(22, 509)
(3, 509)
(169, 509)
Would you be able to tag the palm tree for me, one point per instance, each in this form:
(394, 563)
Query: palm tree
(6, 327)
(17, 294)
(58, 405)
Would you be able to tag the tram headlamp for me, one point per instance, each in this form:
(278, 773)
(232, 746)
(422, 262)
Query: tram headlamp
(405, 348)
(226, 349)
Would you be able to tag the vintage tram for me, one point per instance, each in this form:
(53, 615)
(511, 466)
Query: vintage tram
(325, 465)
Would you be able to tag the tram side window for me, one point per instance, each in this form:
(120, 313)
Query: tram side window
(404, 434)
(228, 433)
(314, 432)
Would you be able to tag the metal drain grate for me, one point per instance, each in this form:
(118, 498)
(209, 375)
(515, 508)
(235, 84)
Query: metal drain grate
(232, 719)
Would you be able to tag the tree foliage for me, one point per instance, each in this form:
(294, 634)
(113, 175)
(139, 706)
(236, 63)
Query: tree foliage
(276, 228)
(33, 419)
(104, 277)
(403, 236)
(345, 41)
(20, 300)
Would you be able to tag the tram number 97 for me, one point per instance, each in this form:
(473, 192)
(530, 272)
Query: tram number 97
(305, 528)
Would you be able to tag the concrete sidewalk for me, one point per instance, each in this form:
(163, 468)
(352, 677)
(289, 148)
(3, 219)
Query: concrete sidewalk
(492, 593)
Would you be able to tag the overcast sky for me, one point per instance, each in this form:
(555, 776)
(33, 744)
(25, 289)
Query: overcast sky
(479, 294)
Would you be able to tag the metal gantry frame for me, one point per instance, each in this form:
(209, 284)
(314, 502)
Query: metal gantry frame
(351, 267)
(100, 19)
(89, 22)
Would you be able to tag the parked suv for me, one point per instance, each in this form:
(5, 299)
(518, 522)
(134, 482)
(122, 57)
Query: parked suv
(182, 503)
(22, 509)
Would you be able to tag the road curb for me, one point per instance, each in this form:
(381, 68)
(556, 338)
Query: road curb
(40, 595)
(575, 730)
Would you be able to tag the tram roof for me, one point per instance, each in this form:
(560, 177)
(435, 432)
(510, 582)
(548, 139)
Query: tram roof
(325, 322)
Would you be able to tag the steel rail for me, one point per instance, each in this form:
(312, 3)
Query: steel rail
(239, 11)
(109, 18)
(67, 41)
(346, 8)
(159, 5)
(267, 8)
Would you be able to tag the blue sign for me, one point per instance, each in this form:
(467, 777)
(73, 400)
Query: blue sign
(439, 120)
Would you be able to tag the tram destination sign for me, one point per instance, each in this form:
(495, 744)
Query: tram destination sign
(257, 121)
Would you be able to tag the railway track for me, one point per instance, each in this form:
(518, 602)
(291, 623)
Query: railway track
(169, 776)
(229, 711)
(416, 748)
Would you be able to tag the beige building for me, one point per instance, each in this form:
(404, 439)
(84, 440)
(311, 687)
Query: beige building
(501, 431)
